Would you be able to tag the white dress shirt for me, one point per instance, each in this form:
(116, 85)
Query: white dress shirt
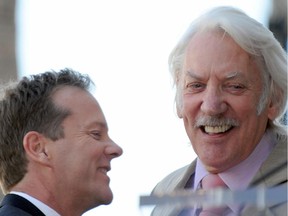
(48, 211)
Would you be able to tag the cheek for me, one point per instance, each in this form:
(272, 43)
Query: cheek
(244, 105)
(187, 115)
(189, 105)
(95, 152)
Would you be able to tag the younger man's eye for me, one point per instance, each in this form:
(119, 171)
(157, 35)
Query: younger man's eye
(96, 134)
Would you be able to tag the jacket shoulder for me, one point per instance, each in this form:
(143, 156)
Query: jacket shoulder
(175, 180)
(9, 210)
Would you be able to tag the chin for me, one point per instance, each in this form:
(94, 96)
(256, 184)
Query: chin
(107, 198)
(104, 196)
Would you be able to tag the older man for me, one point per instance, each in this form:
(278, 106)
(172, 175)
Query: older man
(231, 79)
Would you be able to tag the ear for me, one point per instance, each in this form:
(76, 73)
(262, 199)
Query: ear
(272, 111)
(179, 111)
(34, 144)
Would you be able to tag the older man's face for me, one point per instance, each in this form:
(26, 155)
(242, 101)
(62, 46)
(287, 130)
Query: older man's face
(221, 90)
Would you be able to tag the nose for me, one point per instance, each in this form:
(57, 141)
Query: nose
(213, 102)
(113, 150)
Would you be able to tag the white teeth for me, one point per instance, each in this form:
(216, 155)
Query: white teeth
(103, 170)
(216, 129)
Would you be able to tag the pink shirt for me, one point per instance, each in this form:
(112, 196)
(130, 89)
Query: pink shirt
(239, 176)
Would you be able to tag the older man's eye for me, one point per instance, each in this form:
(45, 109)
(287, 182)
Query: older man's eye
(195, 87)
(236, 88)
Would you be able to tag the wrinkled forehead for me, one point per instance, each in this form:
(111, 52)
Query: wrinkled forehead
(204, 40)
(219, 54)
(213, 46)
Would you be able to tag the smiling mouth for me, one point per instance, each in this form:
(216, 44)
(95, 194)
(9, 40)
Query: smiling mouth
(216, 129)
(104, 170)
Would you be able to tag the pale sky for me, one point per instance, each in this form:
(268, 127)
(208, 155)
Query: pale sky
(123, 46)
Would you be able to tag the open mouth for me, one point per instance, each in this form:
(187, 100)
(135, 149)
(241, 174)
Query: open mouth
(104, 170)
(216, 129)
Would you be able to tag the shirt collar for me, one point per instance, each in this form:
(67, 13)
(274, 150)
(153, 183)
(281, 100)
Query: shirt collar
(40, 205)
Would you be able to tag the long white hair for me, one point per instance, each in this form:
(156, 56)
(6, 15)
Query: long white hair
(256, 40)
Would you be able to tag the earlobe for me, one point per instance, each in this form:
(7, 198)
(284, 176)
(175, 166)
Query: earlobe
(272, 111)
(179, 111)
(34, 144)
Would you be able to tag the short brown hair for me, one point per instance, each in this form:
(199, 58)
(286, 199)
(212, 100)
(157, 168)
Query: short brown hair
(28, 106)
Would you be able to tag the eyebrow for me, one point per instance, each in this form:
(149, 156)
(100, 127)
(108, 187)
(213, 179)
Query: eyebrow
(234, 74)
(97, 124)
(192, 74)
(230, 75)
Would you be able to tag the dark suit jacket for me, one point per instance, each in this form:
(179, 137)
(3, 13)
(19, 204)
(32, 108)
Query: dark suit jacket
(14, 205)
(265, 176)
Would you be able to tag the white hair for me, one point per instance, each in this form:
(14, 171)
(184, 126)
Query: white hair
(256, 40)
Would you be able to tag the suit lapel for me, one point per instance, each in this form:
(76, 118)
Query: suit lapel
(21, 203)
(273, 172)
(180, 179)
(277, 159)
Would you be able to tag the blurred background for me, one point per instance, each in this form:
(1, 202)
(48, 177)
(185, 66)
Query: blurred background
(123, 46)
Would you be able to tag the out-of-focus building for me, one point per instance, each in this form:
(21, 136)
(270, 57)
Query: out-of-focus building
(278, 21)
(8, 66)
